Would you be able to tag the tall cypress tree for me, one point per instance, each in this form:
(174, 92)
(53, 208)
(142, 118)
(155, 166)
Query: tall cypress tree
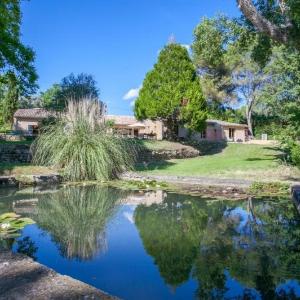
(170, 89)
(11, 97)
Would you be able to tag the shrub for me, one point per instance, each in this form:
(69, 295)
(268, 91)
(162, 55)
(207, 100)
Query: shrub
(258, 188)
(295, 155)
(81, 145)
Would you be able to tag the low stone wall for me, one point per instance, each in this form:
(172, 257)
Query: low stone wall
(15, 153)
(11, 137)
(30, 180)
(147, 155)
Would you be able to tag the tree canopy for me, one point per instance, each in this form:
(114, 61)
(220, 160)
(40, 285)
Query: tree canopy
(72, 87)
(172, 82)
(279, 20)
(14, 56)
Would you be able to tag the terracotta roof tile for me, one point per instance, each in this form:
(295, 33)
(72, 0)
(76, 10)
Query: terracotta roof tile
(224, 123)
(33, 113)
(121, 120)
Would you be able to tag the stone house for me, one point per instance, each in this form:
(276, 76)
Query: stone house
(27, 122)
(130, 126)
(217, 130)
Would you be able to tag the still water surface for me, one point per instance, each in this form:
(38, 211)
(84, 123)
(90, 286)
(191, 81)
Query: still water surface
(161, 245)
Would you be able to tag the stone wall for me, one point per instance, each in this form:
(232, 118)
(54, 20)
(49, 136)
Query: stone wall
(15, 153)
(147, 155)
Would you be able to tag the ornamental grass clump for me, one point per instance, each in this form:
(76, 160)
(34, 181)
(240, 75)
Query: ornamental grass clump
(81, 145)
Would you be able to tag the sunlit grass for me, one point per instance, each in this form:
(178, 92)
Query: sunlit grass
(235, 161)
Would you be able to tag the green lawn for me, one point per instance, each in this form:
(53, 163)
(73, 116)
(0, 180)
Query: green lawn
(243, 161)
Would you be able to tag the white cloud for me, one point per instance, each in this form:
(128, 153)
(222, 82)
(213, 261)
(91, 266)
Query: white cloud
(132, 93)
(132, 103)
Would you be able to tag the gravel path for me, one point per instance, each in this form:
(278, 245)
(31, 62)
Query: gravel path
(192, 180)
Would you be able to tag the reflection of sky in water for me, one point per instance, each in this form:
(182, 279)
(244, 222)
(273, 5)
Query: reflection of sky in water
(124, 270)
(236, 290)
(243, 217)
(289, 287)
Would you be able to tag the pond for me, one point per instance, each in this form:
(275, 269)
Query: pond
(158, 245)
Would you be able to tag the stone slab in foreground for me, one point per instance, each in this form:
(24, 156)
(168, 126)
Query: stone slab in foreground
(22, 278)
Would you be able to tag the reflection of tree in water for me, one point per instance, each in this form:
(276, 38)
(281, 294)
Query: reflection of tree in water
(76, 218)
(27, 246)
(255, 243)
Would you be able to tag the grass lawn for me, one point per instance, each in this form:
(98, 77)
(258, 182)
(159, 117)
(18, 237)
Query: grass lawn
(245, 161)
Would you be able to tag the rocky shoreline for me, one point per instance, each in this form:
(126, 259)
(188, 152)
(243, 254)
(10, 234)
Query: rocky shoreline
(23, 180)
(23, 278)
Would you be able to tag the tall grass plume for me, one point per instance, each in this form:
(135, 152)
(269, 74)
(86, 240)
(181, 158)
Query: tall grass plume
(80, 144)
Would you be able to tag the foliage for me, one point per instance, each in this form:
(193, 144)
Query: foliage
(14, 56)
(72, 87)
(81, 145)
(295, 155)
(253, 242)
(11, 97)
(11, 224)
(275, 20)
(29, 102)
(194, 113)
(76, 218)
(227, 71)
(280, 97)
(249, 80)
(172, 80)
(211, 40)
(147, 185)
(269, 188)
(174, 249)
(51, 97)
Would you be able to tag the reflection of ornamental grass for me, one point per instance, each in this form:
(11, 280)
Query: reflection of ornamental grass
(76, 218)
(80, 144)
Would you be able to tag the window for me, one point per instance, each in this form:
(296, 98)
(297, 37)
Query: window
(30, 129)
(231, 133)
(203, 134)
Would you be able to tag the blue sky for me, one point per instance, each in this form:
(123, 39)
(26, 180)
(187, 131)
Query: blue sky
(117, 41)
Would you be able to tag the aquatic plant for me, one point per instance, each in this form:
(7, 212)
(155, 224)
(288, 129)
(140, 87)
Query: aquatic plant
(80, 144)
(11, 224)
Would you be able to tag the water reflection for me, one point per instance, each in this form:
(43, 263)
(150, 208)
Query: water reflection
(202, 247)
(76, 218)
(251, 248)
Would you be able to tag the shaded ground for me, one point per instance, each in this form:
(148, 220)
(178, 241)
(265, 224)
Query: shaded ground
(22, 278)
(7, 169)
(236, 161)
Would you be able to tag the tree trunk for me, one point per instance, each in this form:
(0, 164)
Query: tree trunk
(172, 129)
(262, 24)
(249, 119)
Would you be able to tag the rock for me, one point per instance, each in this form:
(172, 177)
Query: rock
(22, 278)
